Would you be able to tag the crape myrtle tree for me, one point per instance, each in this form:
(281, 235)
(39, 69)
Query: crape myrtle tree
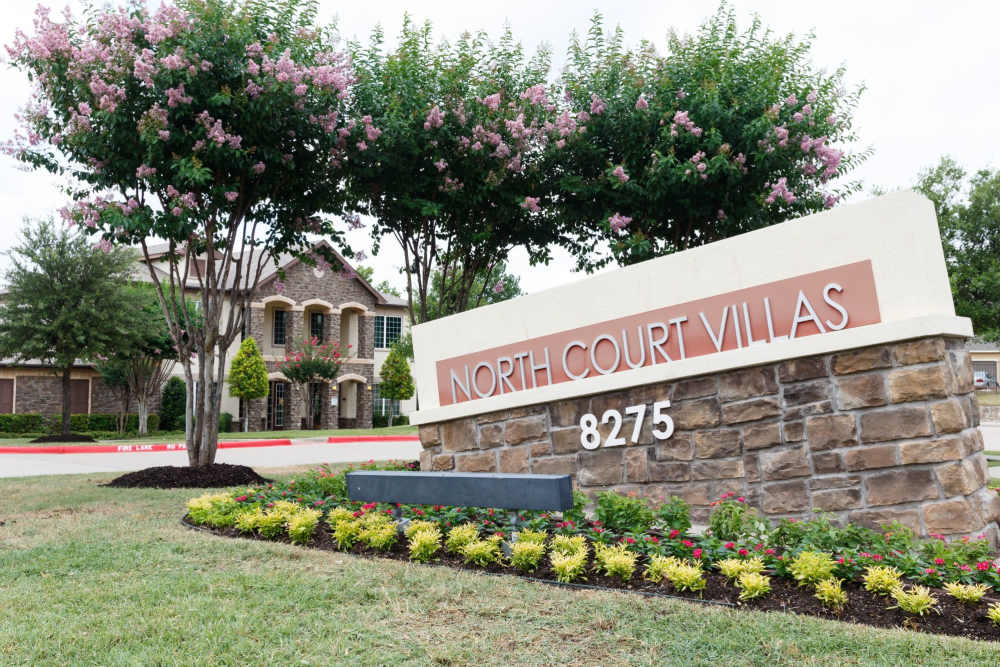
(220, 126)
(727, 132)
(458, 175)
(66, 301)
(968, 213)
(309, 362)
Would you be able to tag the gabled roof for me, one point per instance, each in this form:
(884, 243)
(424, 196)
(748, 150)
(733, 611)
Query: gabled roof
(284, 262)
(287, 261)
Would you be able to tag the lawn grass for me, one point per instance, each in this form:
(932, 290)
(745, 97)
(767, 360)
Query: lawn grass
(91, 575)
(178, 436)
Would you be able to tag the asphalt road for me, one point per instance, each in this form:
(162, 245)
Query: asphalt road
(302, 451)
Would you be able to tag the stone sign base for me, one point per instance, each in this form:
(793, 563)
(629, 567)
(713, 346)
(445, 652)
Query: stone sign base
(872, 435)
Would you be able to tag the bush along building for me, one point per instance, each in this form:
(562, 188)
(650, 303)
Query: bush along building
(293, 300)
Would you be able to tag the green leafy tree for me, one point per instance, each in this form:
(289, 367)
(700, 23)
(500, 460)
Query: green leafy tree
(492, 285)
(311, 361)
(219, 126)
(114, 374)
(248, 375)
(968, 213)
(66, 301)
(397, 382)
(368, 273)
(172, 402)
(145, 358)
(730, 130)
(457, 177)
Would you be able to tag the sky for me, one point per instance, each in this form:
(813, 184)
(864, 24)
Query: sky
(930, 72)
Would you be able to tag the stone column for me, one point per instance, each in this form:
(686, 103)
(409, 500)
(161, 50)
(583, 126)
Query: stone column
(330, 412)
(366, 335)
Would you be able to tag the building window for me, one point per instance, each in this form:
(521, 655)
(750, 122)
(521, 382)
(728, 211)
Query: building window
(383, 407)
(316, 322)
(388, 329)
(278, 335)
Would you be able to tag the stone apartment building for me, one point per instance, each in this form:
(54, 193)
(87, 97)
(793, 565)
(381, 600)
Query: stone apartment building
(329, 304)
(332, 306)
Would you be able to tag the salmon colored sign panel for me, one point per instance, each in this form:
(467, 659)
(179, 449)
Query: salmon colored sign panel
(816, 303)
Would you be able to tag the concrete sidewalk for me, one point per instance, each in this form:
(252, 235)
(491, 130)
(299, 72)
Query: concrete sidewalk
(301, 451)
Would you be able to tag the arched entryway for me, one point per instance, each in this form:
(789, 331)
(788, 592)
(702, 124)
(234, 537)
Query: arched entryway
(350, 328)
(316, 317)
(349, 393)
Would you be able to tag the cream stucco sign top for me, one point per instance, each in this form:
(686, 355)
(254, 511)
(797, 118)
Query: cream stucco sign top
(858, 275)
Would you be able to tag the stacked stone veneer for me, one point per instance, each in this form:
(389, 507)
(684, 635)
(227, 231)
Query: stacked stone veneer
(872, 435)
(302, 283)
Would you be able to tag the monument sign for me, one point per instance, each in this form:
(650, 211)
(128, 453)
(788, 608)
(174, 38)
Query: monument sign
(813, 365)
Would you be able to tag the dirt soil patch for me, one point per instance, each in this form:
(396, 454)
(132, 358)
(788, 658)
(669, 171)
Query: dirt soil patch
(217, 475)
(955, 618)
(72, 437)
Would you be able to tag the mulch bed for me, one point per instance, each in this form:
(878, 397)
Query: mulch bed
(217, 475)
(72, 437)
(956, 618)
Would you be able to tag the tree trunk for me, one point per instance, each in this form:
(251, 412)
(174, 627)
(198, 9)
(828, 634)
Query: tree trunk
(189, 403)
(66, 398)
(246, 414)
(143, 410)
(212, 374)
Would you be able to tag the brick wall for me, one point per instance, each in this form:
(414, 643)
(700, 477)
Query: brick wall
(870, 435)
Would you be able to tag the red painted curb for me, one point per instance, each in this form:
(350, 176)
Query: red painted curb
(141, 447)
(333, 439)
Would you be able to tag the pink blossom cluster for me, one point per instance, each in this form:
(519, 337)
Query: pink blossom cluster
(535, 94)
(451, 184)
(108, 95)
(144, 171)
(176, 96)
(435, 118)
(780, 189)
(641, 103)
(371, 132)
(597, 105)
(531, 203)
(619, 173)
(619, 222)
(682, 120)
(492, 102)
(829, 157)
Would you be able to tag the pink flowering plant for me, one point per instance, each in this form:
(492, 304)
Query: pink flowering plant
(727, 131)
(221, 127)
(310, 361)
(470, 127)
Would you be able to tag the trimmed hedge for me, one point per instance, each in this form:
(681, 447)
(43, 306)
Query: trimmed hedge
(36, 423)
(24, 423)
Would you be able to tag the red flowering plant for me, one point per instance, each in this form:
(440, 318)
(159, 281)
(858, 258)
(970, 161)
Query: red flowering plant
(311, 361)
